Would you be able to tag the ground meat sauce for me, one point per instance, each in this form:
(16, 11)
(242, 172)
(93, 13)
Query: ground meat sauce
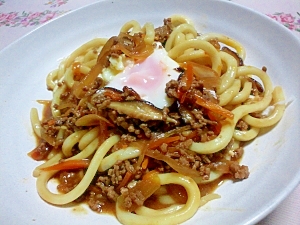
(192, 123)
(104, 191)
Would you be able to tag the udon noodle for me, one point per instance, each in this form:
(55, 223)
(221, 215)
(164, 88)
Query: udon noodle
(114, 133)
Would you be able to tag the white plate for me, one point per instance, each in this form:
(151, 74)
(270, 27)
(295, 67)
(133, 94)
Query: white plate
(273, 158)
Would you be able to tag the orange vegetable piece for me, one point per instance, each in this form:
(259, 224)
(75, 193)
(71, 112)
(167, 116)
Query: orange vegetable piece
(214, 107)
(127, 178)
(156, 143)
(145, 163)
(69, 165)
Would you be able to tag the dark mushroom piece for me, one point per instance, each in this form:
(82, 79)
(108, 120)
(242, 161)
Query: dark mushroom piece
(142, 110)
(239, 60)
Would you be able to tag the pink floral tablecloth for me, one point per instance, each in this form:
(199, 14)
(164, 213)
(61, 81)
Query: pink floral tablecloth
(17, 18)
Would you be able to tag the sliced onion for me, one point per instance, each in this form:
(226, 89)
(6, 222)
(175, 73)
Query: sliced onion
(145, 188)
(50, 140)
(102, 60)
(142, 146)
(203, 73)
(133, 46)
(91, 120)
(173, 163)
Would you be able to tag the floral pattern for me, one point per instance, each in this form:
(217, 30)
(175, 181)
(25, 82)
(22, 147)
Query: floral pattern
(56, 3)
(288, 20)
(24, 19)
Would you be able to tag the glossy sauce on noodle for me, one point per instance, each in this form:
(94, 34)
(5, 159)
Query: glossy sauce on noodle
(176, 192)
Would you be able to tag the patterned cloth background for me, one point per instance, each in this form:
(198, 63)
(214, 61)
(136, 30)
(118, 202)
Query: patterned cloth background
(18, 19)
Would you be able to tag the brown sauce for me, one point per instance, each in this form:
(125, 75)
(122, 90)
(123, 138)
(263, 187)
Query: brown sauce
(176, 192)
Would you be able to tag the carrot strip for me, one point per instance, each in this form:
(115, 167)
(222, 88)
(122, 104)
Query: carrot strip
(104, 133)
(189, 75)
(142, 145)
(182, 96)
(214, 107)
(156, 143)
(213, 117)
(145, 163)
(127, 178)
(69, 165)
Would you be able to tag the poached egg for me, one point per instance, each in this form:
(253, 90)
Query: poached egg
(148, 78)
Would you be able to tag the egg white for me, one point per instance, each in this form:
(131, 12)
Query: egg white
(148, 78)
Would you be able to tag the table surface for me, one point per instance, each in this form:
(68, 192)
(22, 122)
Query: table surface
(18, 19)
